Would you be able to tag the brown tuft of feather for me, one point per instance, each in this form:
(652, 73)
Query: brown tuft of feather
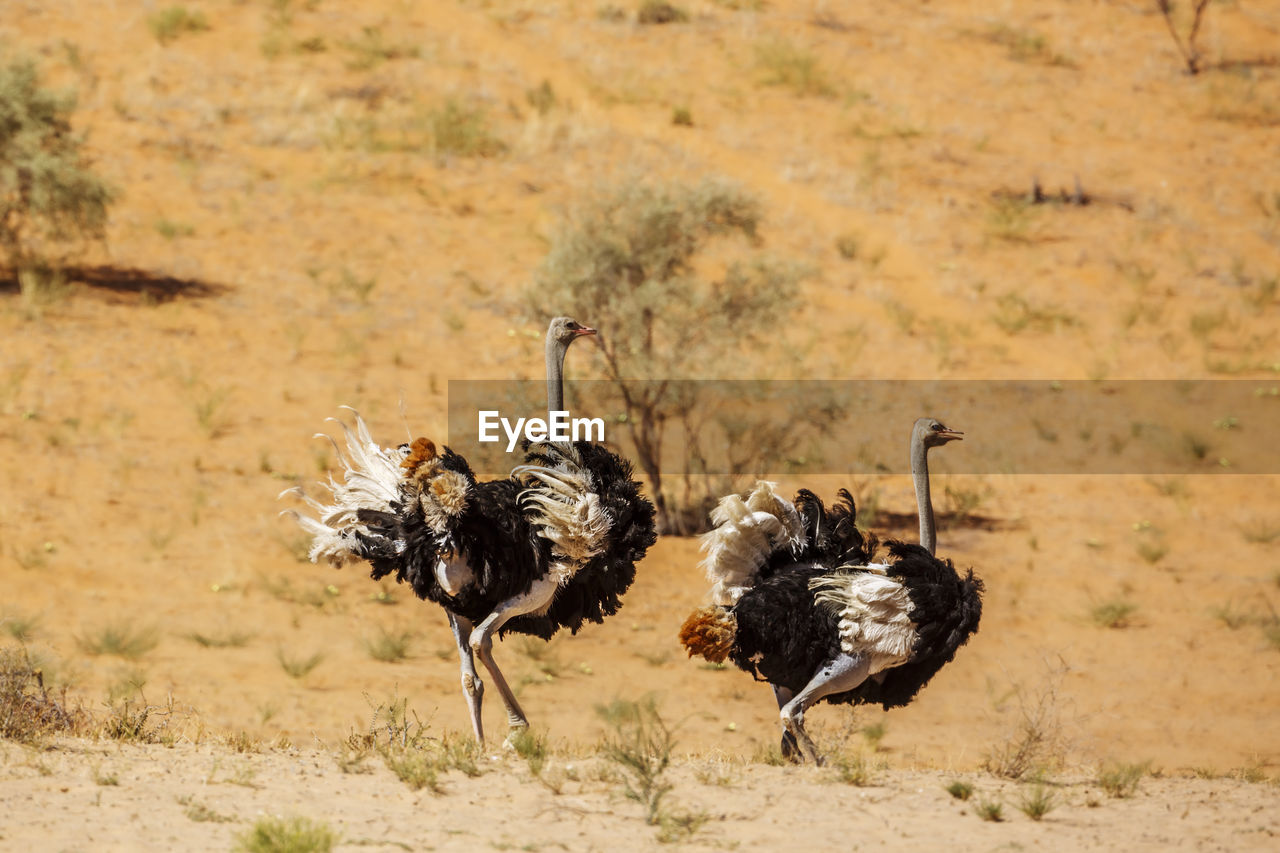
(709, 632)
(422, 450)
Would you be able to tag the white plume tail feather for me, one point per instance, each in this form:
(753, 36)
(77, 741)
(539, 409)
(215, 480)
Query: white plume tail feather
(875, 615)
(746, 533)
(371, 480)
(566, 510)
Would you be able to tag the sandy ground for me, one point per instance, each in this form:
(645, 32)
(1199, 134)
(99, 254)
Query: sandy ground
(57, 800)
(286, 242)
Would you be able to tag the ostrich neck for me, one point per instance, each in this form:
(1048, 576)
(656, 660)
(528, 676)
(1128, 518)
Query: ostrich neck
(555, 375)
(924, 502)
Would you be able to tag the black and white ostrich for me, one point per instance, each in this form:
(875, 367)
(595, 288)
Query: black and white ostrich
(799, 602)
(551, 546)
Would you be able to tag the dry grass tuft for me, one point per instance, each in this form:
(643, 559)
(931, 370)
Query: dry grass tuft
(28, 713)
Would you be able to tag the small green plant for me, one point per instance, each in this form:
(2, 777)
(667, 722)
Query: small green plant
(462, 130)
(171, 230)
(960, 790)
(20, 627)
(1010, 219)
(121, 639)
(852, 769)
(682, 117)
(105, 778)
(788, 65)
(287, 835)
(174, 21)
(1116, 613)
(298, 667)
(371, 49)
(200, 813)
(660, 12)
(389, 646)
(1260, 532)
(1027, 46)
(990, 810)
(874, 733)
(1037, 802)
(544, 655)
(221, 640)
(1121, 780)
(1229, 616)
(1015, 313)
(640, 745)
(418, 768)
(541, 97)
(1151, 551)
(677, 827)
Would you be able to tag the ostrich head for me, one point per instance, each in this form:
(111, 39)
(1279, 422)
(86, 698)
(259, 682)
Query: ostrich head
(932, 433)
(565, 330)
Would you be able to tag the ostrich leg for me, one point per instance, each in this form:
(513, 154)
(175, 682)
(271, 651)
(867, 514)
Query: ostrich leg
(538, 597)
(472, 686)
(789, 748)
(844, 672)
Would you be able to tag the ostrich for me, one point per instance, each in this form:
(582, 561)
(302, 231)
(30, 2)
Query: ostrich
(551, 546)
(799, 603)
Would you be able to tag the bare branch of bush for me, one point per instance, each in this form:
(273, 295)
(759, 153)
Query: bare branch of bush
(1190, 52)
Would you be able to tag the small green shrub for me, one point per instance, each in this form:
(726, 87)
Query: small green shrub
(640, 745)
(287, 835)
(990, 810)
(170, 23)
(960, 790)
(1113, 614)
(298, 667)
(389, 646)
(1121, 780)
(660, 12)
(463, 130)
(121, 639)
(1037, 802)
(792, 67)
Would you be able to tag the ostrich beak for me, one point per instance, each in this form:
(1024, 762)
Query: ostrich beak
(584, 331)
(951, 433)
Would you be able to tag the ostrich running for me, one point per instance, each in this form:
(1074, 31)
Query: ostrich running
(551, 546)
(799, 603)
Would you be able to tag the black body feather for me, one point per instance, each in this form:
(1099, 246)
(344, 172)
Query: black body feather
(784, 636)
(504, 550)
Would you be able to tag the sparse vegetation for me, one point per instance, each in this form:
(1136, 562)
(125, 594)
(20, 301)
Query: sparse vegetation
(298, 667)
(1121, 780)
(389, 646)
(660, 12)
(174, 21)
(1035, 742)
(1116, 613)
(640, 745)
(960, 790)
(1189, 50)
(852, 769)
(28, 712)
(627, 257)
(462, 130)
(121, 639)
(793, 67)
(1027, 46)
(372, 49)
(990, 810)
(287, 835)
(1037, 801)
(51, 202)
(228, 639)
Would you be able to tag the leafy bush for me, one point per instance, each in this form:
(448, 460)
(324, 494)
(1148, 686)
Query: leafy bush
(625, 260)
(50, 199)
